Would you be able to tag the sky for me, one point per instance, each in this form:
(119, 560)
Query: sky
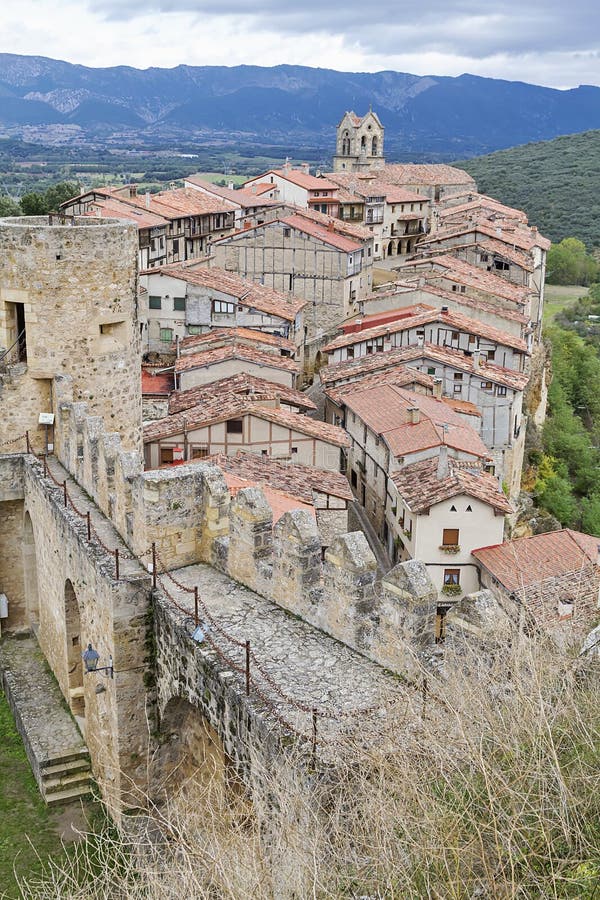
(549, 42)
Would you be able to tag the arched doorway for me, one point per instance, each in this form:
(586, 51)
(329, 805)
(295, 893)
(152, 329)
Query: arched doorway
(391, 249)
(73, 653)
(30, 576)
(374, 146)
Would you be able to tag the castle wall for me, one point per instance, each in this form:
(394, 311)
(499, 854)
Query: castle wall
(74, 287)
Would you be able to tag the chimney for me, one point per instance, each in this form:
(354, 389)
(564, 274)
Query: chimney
(304, 167)
(132, 190)
(415, 414)
(230, 186)
(147, 199)
(252, 188)
(444, 309)
(476, 359)
(534, 229)
(442, 466)
(420, 340)
(437, 388)
(331, 225)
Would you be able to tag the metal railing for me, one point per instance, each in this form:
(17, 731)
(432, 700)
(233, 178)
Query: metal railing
(16, 353)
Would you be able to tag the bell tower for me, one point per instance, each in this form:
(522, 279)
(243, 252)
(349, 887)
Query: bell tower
(359, 143)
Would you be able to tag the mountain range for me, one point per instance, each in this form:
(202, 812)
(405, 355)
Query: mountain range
(442, 117)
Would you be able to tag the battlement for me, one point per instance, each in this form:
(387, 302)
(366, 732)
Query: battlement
(188, 513)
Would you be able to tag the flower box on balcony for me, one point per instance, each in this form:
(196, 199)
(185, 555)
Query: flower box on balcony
(450, 548)
(452, 590)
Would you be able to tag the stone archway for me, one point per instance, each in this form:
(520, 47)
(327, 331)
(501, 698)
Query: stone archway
(391, 250)
(190, 749)
(30, 576)
(73, 653)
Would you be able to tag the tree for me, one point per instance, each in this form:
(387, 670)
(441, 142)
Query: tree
(9, 207)
(33, 204)
(60, 193)
(569, 263)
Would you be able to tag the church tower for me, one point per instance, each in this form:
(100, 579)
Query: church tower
(359, 143)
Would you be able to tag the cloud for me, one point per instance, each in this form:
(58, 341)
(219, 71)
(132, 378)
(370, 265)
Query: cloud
(542, 43)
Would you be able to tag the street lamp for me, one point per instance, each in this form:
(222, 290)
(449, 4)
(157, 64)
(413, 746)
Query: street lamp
(91, 659)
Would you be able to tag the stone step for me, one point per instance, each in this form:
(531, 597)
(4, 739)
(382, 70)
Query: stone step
(76, 764)
(68, 779)
(63, 759)
(68, 794)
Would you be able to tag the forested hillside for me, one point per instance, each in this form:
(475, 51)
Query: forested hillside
(556, 182)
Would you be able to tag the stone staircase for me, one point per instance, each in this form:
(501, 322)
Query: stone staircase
(57, 753)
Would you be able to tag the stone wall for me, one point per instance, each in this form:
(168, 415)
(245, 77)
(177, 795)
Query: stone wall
(74, 287)
(11, 540)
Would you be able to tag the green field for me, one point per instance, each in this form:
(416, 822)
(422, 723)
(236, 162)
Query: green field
(558, 296)
(30, 831)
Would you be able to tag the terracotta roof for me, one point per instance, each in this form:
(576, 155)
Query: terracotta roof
(526, 561)
(157, 384)
(302, 179)
(463, 272)
(242, 384)
(484, 206)
(243, 199)
(504, 244)
(412, 174)
(280, 501)
(299, 480)
(350, 229)
(462, 406)
(112, 208)
(419, 486)
(444, 355)
(384, 408)
(400, 375)
(454, 320)
(185, 202)
(502, 312)
(372, 185)
(329, 235)
(247, 293)
(236, 406)
(218, 336)
(361, 323)
(235, 351)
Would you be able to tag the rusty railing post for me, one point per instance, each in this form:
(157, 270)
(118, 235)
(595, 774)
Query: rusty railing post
(314, 734)
(65, 494)
(117, 562)
(89, 525)
(196, 606)
(153, 565)
(27, 442)
(45, 467)
(247, 668)
(424, 695)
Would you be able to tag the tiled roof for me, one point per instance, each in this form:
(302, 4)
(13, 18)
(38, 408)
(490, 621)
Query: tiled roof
(361, 323)
(185, 202)
(483, 205)
(247, 293)
(243, 199)
(235, 351)
(372, 185)
(350, 229)
(463, 272)
(505, 242)
(329, 235)
(218, 336)
(412, 174)
(444, 355)
(299, 480)
(462, 406)
(453, 319)
(300, 178)
(510, 313)
(384, 408)
(280, 501)
(157, 384)
(242, 384)
(418, 484)
(112, 208)
(400, 375)
(236, 406)
(526, 561)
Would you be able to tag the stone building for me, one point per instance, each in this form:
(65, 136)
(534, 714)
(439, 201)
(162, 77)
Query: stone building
(177, 301)
(68, 301)
(359, 143)
(546, 582)
(299, 188)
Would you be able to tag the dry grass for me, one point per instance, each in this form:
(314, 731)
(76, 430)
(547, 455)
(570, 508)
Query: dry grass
(494, 793)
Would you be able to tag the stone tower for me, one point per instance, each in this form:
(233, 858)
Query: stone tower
(68, 306)
(359, 143)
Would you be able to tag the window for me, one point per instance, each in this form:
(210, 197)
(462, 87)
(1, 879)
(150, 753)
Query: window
(222, 307)
(166, 334)
(501, 266)
(234, 426)
(194, 329)
(154, 302)
(566, 606)
(294, 449)
(349, 352)
(179, 304)
(455, 335)
(491, 354)
(166, 455)
(483, 257)
(501, 390)
(451, 576)
(353, 478)
(287, 232)
(471, 338)
(469, 508)
(487, 386)
(450, 538)
(176, 246)
(453, 508)
(458, 376)
(431, 370)
(199, 452)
